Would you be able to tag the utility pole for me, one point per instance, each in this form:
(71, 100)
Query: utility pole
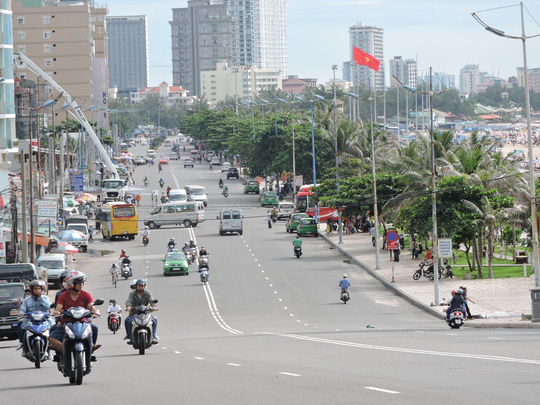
(14, 218)
(24, 231)
(31, 182)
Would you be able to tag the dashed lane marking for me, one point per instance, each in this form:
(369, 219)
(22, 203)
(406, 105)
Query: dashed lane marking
(381, 390)
(290, 374)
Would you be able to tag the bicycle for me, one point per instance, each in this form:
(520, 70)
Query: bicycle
(114, 278)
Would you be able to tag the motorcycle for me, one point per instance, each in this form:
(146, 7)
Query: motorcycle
(225, 193)
(146, 183)
(188, 256)
(221, 184)
(141, 329)
(113, 321)
(193, 254)
(298, 251)
(447, 269)
(345, 297)
(204, 274)
(37, 337)
(211, 167)
(455, 319)
(422, 271)
(125, 271)
(75, 360)
(145, 240)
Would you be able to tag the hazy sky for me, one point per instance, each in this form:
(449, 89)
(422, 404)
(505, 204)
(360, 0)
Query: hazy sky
(440, 33)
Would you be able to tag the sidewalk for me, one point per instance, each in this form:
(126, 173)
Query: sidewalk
(499, 303)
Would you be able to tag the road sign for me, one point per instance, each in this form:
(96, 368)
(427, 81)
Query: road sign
(392, 236)
(445, 247)
(2, 248)
(76, 177)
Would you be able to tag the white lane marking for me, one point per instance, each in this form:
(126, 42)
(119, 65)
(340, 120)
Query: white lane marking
(452, 334)
(290, 374)
(275, 292)
(176, 352)
(413, 351)
(234, 364)
(199, 358)
(271, 285)
(291, 314)
(164, 348)
(280, 300)
(256, 260)
(266, 278)
(258, 264)
(285, 307)
(174, 178)
(495, 338)
(381, 390)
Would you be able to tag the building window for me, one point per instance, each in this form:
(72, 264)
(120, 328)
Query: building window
(46, 34)
(47, 48)
(20, 20)
(21, 48)
(100, 30)
(48, 62)
(23, 76)
(46, 19)
(21, 34)
(100, 17)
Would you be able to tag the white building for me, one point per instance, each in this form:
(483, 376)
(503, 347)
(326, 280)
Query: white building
(440, 80)
(469, 79)
(244, 83)
(370, 40)
(260, 33)
(405, 70)
(170, 94)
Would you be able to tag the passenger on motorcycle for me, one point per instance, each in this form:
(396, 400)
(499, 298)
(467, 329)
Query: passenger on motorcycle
(172, 244)
(203, 251)
(64, 289)
(192, 244)
(122, 254)
(140, 296)
(75, 296)
(127, 261)
(114, 307)
(35, 302)
(344, 283)
(455, 303)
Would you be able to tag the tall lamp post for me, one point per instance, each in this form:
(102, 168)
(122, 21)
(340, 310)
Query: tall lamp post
(532, 187)
(334, 68)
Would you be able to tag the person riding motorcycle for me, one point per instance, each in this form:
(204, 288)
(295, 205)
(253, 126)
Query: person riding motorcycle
(220, 182)
(203, 265)
(455, 303)
(172, 244)
(297, 242)
(63, 276)
(186, 249)
(145, 181)
(184, 148)
(203, 252)
(114, 307)
(141, 296)
(344, 283)
(146, 232)
(122, 254)
(75, 296)
(37, 301)
(161, 182)
(192, 244)
(127, 261)
(225, 190)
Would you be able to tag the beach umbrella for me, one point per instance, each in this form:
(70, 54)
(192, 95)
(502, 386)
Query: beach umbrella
(70, 235)
(64, 247)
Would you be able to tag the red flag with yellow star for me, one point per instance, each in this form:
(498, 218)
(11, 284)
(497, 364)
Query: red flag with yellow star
(365, 59)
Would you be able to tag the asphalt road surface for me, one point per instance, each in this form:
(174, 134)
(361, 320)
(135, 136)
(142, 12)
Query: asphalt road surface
(270, 329)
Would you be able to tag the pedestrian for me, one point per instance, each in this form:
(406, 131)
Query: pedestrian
(138, 199)
(372, 233)
(87, 210)
(269, 220)
(90, 234)
(414, 250)
(466, 302)
(397, 252)
(384, 239)
(428, 253)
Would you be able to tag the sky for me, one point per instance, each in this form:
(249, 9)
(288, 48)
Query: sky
(440, 34)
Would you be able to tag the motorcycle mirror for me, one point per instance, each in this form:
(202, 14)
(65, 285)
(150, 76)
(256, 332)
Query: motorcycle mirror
(155, 301)
(99, 301)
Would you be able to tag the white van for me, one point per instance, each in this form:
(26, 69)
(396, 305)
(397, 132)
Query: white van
(177, 194)
(55, 264)
(197, 193)
(151, 153)
(231, 220)
(176, 213)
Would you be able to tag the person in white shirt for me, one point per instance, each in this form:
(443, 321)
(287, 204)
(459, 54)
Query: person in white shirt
(146, 232)
(115, 272)
(114, 307)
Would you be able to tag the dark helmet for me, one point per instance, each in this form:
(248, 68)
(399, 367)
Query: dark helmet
(37, 283)
(113, 301)
(141, 281)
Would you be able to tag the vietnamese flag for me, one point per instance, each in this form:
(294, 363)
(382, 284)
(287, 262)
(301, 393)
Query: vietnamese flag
(365, 59)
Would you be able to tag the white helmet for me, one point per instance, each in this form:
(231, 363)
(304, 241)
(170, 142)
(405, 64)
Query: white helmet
(344, 276)
(74, 277)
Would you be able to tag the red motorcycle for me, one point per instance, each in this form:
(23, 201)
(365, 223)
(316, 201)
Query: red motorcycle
(114, 321)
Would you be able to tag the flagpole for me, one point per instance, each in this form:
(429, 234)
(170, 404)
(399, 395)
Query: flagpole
(375, 210)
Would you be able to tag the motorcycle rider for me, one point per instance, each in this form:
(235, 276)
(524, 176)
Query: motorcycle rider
(161, 182)
(297, 242)
(75, 296)
(192, 244)
(122, 254)
(203, 265)
(203, 252)
(141, 296)
(127, 261)
(344, 283)
(455, 303)
(64, 289)
(145, 181)
(172, 244)
(186, 249)
(225, 190)
(35, 302)
(114, 307)
(146, 233)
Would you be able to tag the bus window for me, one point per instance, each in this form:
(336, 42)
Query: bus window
(124, 212)
(302, 203)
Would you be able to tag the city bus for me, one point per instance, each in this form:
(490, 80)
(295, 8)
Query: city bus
(118, 220)
(306, 203)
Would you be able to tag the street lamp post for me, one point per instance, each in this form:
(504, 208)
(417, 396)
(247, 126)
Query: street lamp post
(334, 68)
(534, 214)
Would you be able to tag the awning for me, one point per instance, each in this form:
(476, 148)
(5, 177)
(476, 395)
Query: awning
(40, 240)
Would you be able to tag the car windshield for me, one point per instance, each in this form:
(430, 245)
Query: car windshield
(253, 183)
(197, 191)
(287, 206)
(11, 292)
(80, 228)
(176, 257)
(270, 194)
(114, 184)
(51, 264)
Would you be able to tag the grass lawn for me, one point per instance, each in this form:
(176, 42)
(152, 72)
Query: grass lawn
(498, 272)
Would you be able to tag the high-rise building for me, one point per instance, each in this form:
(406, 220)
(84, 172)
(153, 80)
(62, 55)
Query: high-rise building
(202, 35)
(346, 75)
(533, 78)
(405, 70)
(469, 79)
(260, 33)
(440, 80)
(128, 53)
(7, 95)
(65, 39)
(370, 40)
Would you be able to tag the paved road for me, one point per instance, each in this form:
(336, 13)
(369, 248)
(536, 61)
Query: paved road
(270, 329)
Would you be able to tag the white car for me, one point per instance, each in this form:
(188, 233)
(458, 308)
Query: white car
(225, 167)
(285, 209)
(215, 161)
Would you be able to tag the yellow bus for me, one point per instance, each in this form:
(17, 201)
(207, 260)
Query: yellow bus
(118, 220)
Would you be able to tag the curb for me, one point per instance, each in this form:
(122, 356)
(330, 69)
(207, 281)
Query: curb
(430, 310)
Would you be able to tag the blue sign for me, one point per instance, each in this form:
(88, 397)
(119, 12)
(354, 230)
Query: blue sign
(392, 236)
(76, 180)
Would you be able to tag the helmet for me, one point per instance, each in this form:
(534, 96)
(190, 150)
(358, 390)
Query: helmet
(133, 284)
(123, 250)
(344, 276)
(64, 275)
(172, 239)
(113, 300)
(186, 244)
(145, 227)
(202, 247)
(74, 277)
(35, 283)
(140, 281)
(459, 291)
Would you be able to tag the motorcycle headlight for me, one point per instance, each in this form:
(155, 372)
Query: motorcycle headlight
(139, 320)
(78, 313)
(87, 331)
(38, 316)
(70, 333)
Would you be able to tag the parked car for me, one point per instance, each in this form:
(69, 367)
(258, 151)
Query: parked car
(175, 262)
(233, 173)
(139, 160)
(307, 226)
(285, 209)
(294, 220)
(251, 186)
(269, 198)
(188, 162)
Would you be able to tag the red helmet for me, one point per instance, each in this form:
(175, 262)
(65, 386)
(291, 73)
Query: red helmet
(74, 277)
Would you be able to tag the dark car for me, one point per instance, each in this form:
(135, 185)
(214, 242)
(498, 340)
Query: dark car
(233, 172)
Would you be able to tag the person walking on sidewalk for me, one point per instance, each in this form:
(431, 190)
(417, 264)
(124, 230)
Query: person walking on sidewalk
(396, 252)
(466, 302)
(90, 234)
(372, 233)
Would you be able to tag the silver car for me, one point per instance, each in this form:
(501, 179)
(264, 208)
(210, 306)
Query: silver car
(285, 209)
